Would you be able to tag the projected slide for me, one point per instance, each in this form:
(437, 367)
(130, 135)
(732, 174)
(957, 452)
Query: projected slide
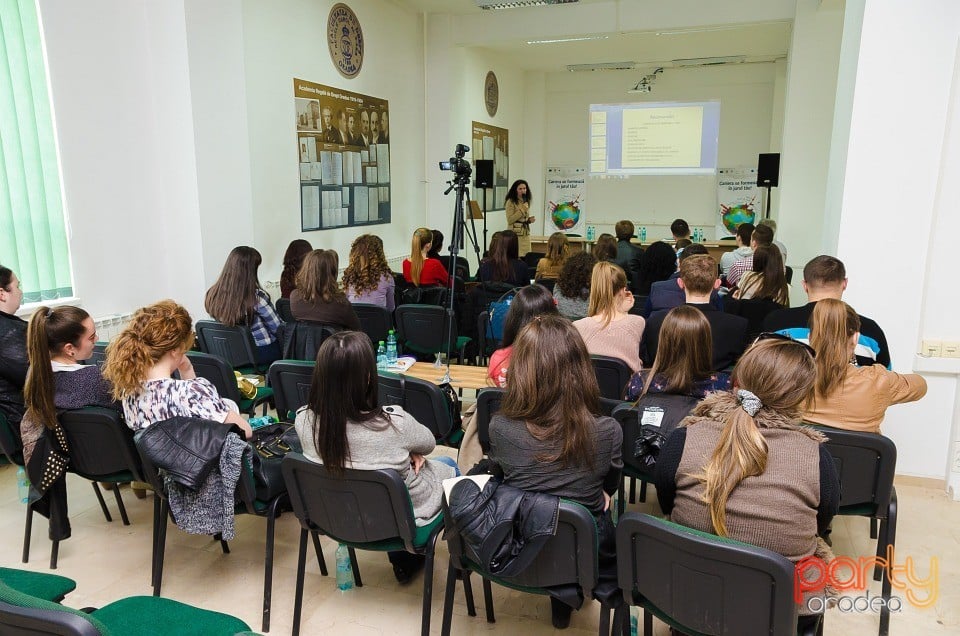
(654, 138)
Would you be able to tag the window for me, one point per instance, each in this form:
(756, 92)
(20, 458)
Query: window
(33, 237)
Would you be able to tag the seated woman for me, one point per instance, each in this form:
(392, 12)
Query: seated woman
(684, 361)
(530, 302)
(236, 298)
(741, 466)
(141, 361)
(608, 330)
(420, 269)
(550, 439)
(658, 262)
(548, 268)
(436, 245)
(342, 426)
(504, 264)
(605, 249)
(317, 297)
(292, 260)
(572, 290)
(848, 396)
(368, 278)
(768, 280)
(13, 348)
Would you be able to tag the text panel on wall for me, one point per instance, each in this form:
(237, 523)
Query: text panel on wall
(491, 142)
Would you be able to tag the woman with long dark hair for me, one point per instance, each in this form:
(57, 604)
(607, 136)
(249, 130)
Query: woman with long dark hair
(318, 297)
(605, 249)
(237, 298)
(517, 207)
(768, 280)
(367, 278)
(504, 265)
(13, 348)
(292, 259)
(530, 302)
(658, 262)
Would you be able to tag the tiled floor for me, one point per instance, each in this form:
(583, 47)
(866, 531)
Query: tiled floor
(110, 561)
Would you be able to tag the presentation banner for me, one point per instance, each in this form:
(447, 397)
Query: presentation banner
(563, 201)
(738, 199)
(491, 142)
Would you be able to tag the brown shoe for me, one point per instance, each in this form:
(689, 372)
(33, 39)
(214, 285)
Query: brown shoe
(106, 485)
(141, 493)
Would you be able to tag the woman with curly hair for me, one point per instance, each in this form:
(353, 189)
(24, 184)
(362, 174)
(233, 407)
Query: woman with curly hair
(572, 290)
(292, 260)
(368, 278)
(317, 297)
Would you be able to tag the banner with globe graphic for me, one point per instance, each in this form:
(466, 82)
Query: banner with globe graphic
(738, 199)
(564, 201)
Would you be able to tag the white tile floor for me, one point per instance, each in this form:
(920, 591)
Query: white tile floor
(110, 561)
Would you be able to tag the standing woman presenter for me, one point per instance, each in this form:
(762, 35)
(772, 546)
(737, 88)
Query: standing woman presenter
(517, 207)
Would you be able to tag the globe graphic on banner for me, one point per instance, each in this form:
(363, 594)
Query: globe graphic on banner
(566, 215)
(737, 214)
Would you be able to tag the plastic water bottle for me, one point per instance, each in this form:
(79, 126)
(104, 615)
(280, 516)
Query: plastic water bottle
(344, 571)
(23, 485)
(643, 234)
(391, 348)
(381, 356)
(591, 232)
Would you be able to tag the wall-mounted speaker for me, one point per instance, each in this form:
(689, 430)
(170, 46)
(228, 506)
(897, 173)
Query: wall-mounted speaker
(768, 170)
(484, 173)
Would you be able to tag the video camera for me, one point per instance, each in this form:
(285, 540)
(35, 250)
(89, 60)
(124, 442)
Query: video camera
(459, 166)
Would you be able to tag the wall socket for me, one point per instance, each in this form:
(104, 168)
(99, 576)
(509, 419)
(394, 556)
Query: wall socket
(931, 348)
(950, 349)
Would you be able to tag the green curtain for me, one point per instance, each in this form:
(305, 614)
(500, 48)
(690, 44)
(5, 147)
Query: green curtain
(33, 237)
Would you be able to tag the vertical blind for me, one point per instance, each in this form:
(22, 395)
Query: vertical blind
(33, 238)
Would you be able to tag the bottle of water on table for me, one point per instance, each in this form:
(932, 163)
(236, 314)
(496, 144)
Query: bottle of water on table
(344, 569)
(381, 356)
(391, 348)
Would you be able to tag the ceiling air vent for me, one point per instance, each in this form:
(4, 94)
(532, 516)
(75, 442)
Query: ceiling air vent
(516, 4)
(602, 66)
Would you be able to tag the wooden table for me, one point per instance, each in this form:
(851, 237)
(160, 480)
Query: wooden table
(462, 376)
(716, 249)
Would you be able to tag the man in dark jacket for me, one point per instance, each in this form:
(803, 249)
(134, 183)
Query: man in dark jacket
(628, 254)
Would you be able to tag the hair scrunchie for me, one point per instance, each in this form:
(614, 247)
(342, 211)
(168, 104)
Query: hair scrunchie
(748, 402)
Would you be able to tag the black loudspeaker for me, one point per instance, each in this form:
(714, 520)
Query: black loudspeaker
(768, 170)
(484, 172)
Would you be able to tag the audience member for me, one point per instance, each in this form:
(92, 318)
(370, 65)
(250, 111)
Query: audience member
(659, 262)
(770, 223)
(742, 238)
(767, 280)
(13, 349)
(826, 277)
(142, 359)
(436, 245)
(494, 239)
(317, 297)
(605, 249)
(608, 330)
(504, 264)
(680, 229)
(549, 266)
(628, 254)
(367, 278)
(698, 278)
(550, 439)
(849, 396)
(684, 362)
(344, 426)
(530, 302)
(236, 298)
(667, 294)
(741, 466)
(572, 290)
(292, 259)
(420, 269)
(762, 235)
(517, 207)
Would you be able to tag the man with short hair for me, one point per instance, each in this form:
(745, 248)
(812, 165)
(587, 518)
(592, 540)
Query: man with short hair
(742, 237)
(762, 236)
(667, 294)
(680, 229)
(698, 279)
(770, 223)
(826, 277)
(364, 136)
(628, 254)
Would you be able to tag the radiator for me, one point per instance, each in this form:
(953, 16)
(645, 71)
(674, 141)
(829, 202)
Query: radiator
(108, 327)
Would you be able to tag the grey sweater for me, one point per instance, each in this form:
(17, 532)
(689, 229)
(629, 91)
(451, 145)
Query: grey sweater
(376, 445)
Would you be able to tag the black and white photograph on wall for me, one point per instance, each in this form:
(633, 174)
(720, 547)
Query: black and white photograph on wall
(492, 142)
(343, 149)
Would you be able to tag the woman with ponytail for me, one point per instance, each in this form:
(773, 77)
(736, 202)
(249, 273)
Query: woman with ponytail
(849, 396)
(141, 361)
(420, 269)
(742, 466)
(608, 329)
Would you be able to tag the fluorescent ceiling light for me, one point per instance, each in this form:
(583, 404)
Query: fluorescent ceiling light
(516, 4)
(602, 66)
(577, 39)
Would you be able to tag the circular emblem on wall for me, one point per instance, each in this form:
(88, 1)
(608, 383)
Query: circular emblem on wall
(345, 39)
(491, 93)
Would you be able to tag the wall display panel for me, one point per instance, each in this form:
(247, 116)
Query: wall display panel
(343, 149)
(491, 142)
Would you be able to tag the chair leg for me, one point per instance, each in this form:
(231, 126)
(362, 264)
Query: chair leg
(488, 600)
(633, 490)
(468, 592)
(298, 592)
(604, 621)
(448, 600)
(889, 535)
(161, 547)
(621, 499)
(27, 529)
(643, 492)
(356, 568)
(120, 506)
(224, 546)
(316, 548)
(647, 623)
(428, 586)
(103, 504)
(873, 528)
(268, 564)
(54, 553)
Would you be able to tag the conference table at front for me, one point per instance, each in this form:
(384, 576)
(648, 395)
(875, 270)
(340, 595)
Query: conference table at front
(462, 376)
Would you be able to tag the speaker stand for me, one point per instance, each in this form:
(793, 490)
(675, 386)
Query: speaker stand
(766, 214)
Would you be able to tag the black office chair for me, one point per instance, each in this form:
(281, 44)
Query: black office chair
(699, 583)
(789, 274)
(302, 339)
(532, 259)
(421, 399)
(488, 403)
(290, 381)
(613, 375)
(221, 376)
(549, 283)
(363, 509)
(755, 310)
(486, 345)
(424, 329)
(375, 321)
(428, 295)
(283, 310)
(567, 558)
(234, 345)
(866, 464)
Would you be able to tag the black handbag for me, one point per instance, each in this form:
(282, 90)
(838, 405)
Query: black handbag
(271, 444)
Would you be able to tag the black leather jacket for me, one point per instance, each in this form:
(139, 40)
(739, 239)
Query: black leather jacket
(13, 368)
(187, 448)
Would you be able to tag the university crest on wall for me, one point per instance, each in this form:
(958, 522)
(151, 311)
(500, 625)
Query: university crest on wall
(345, 39)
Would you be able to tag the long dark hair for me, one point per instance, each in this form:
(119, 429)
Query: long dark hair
(684, 351)
(292, 259)
(530, 302)
(317, 279)
(512, 193)
(605, 249)
(657, 263)
(771, 282)
(502, 254)
(344, 389)
(48, 332)
(232, 299)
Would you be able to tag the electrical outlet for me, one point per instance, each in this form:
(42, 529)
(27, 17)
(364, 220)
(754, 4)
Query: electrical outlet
(931, 348)
(950, 349)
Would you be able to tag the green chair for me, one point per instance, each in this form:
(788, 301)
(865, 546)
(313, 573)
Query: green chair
(23, 613)
(235, 345)
(290, 381)
(221, 376)
(49, 587)
(424, 329)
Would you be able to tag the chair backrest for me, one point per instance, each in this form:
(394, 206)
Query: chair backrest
(290, 380)
(420, 398)
(10, 443)
(613, 375)
(357, 507)
(488, 403)
(703, 583)
(789, 274)
(24, 615)
(232, 344)
(100, 443)
(424, 328)
(866, 463)
(430, 295)
(549, 283)
(755, 310)
(283, 310)
(375, 321)
(302, 339)
(661, 410)
(532, 259)
(568, 557)
(219, 373)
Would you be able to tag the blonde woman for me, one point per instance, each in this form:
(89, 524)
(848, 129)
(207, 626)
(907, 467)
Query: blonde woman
(849, 396)
(608, 330)
(420, 269)
(549, 266)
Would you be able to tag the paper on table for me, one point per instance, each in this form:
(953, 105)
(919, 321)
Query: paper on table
(310, 200)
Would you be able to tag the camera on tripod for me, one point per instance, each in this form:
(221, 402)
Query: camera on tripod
(459, 166)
